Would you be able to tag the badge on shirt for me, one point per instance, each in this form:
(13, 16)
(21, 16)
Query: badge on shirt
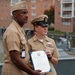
(23, 53)
(49, 44)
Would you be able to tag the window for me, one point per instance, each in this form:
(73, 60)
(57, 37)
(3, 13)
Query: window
(33, 13)
(7, 12)
(6, 5)
(59, 20)
(53, 1)
(66, 5)
(46, 0)
(33, 7)
(59, 6)
(2, 5)
(33, 1)
(58, 13)
(2, 18)
(40, 5)
(10, 18)
(7, 0)
(2, 11)
(46, 5)
(6, 17)
(66, 20)
(14, 1)
(41, 12)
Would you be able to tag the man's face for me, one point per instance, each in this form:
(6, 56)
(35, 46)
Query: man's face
(22, 16)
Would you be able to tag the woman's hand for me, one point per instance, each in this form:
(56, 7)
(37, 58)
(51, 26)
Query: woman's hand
(54, 60)
(49, 55)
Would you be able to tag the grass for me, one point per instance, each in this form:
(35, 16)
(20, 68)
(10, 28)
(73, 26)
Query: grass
(56, 32)
(59, 32)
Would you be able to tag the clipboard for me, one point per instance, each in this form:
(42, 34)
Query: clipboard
(40, 61)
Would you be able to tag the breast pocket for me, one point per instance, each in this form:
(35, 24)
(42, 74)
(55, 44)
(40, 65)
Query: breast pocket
(50, 48)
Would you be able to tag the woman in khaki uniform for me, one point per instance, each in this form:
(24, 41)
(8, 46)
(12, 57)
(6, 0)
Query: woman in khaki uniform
(16, 56)
(41, 42)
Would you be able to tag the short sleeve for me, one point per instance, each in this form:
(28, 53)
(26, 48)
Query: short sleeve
(55, 53)
(13, 41)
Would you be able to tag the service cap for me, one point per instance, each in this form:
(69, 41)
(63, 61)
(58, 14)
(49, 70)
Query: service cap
(19, 6)
(41, 20)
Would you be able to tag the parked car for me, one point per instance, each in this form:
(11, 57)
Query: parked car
(63, 43)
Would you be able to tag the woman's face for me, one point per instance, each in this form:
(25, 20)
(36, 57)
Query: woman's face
(41, 30)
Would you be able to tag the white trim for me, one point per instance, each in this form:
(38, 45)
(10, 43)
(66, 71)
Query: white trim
(61, 8)
(72, 8)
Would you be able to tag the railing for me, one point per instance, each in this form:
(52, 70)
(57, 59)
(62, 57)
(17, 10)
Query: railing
(68, 1)
(66, 15)
(67, 8)
(1, 64)
(66, 23)
(64, 67)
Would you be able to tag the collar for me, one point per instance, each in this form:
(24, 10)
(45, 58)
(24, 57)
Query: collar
(35, 38)
(18, 26)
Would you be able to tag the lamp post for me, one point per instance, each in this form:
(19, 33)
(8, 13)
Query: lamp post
(67, 37)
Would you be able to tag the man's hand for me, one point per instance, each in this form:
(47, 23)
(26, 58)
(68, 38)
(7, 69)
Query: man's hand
(37, 72)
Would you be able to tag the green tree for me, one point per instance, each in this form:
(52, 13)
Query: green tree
(50, 14)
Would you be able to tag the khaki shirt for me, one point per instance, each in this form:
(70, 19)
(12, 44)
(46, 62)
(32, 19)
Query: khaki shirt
(14, 39)
(46, 44)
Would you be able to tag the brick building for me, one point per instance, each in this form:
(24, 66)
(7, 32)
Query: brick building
(5, 17)
(35, 8)
(65, 15)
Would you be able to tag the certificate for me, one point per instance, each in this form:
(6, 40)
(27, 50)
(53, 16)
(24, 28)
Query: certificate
(40, 61)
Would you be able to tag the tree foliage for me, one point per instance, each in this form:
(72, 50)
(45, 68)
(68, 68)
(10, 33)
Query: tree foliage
(50, 14)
